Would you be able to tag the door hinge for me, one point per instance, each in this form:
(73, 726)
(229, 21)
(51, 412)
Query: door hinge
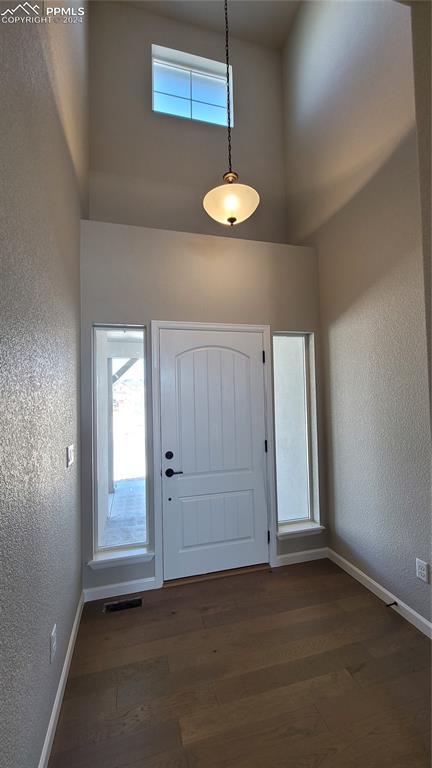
(263, 355)
(265, 446)
(268, 537)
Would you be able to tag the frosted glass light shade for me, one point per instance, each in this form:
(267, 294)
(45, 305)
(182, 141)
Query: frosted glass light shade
(231, 204)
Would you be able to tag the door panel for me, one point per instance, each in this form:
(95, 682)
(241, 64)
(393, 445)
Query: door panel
(213, 410)
(212, 406)
(217, 518)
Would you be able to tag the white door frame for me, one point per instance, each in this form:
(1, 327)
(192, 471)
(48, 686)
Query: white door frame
(270, 474)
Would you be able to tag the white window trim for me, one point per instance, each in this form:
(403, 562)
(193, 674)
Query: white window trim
(104, 557)
(191, 63)
(292, 530)
(114, 557)
(312, 525)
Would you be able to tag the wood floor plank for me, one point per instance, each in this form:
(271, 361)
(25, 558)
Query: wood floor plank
(211, 592)
(404, 688)
(258, 681)
(183, 702)
(353, 710)
(375, 670)
(324, 751)
(296, 668)
(403, 637)
(86, 727)
(149, 671)
(172, 759)
(364, 599)
(126, 721)
(236, 664)
(114, 636)
(237, 743)
(266, 647)
(255, 608)
(240, 650)
(113, 752)
(72, 734)
(90, 704)
(189, 644)
(310, 752)
(216, 719)
(364, 739)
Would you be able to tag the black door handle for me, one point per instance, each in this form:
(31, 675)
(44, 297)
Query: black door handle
(170, 472)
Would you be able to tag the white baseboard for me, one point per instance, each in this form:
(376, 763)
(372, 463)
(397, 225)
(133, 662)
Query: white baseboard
(300, 557)
(402, 608)
(123, 588)
(52, 725)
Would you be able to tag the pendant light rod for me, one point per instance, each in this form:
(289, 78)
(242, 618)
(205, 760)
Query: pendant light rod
(230, 203)
(227, 59)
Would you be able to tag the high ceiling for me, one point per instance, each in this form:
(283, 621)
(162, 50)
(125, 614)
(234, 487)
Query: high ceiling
(259, 21)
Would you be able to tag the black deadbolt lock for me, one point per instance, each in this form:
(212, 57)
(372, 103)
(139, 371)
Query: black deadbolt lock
(169, 455)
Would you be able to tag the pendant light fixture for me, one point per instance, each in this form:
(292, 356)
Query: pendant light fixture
(230, 203)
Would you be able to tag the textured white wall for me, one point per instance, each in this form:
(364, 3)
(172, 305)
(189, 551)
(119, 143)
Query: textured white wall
(351, 136)
(372, 299)
(349, 101)
(43, 162)
(421, 23)
(153, 170)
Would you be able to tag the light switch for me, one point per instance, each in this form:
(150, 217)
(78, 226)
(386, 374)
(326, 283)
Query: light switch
(70, 457)
(53, 643)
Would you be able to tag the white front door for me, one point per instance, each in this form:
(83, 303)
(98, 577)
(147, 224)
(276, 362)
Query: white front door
(213, 424)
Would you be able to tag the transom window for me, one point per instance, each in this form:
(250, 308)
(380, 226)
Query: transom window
(190, 86)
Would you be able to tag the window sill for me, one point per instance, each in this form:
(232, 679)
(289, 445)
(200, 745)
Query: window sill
(114, 557)
(302, 528)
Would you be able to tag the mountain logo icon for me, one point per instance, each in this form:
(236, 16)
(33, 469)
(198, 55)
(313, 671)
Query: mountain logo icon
(26, 8)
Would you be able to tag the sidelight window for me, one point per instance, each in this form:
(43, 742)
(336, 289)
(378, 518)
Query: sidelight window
(295, 428)
(120, 482)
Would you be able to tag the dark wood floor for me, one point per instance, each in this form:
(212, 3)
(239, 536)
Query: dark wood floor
(299, 667)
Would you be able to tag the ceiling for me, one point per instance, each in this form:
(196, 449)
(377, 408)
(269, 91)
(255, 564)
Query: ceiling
(260, 21)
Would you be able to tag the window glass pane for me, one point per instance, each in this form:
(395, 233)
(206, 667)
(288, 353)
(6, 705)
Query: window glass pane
(208, 113)
(121, 475)
(211, 90)
(171, 105)
(190, 86)
(171, 80)
(292, 466)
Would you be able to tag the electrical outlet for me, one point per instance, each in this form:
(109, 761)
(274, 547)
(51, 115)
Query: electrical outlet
(70, 456)
(422, 570)
(53, 643)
